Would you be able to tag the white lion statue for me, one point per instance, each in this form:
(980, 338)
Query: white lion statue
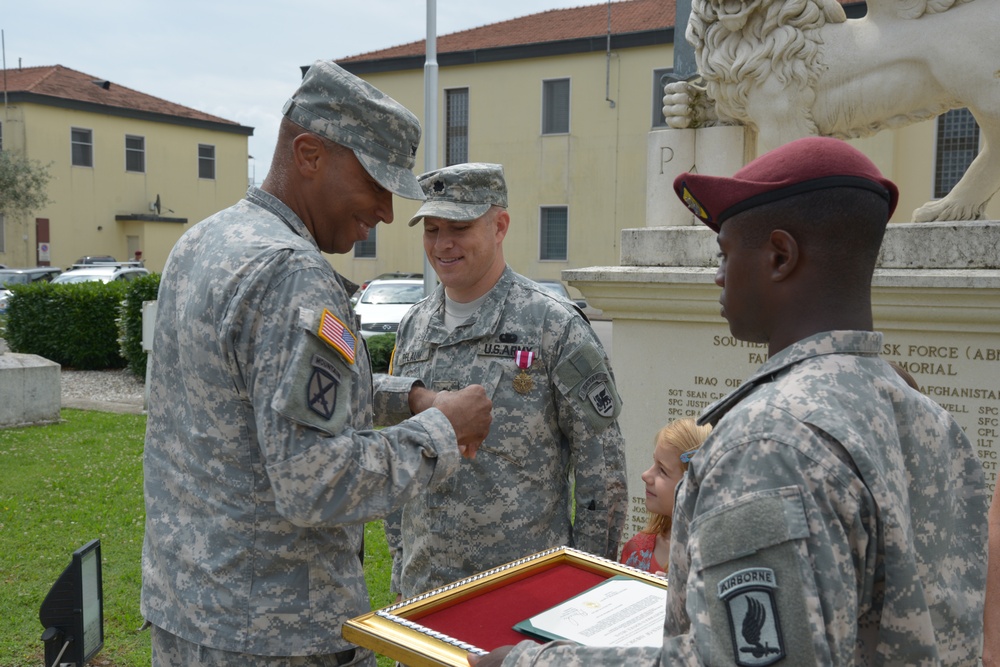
(795, 68)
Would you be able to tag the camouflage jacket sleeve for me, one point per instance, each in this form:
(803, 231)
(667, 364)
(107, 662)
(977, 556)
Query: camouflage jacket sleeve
(780, 536)
(569, 654)
(392, 398)
(393, 525)
(588, 406)
(324, 463)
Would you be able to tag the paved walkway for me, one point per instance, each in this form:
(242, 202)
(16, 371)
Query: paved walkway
(122, 407)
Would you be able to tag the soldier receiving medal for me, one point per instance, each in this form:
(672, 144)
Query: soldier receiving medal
(554, 439)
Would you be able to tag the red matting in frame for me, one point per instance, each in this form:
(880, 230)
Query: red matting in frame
(477, 614)
(487, 620)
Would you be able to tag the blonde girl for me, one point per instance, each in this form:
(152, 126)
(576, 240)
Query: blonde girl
(675, 443)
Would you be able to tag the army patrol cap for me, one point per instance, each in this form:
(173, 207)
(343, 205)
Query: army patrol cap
(462, 191)
(803, 165)
(383, 134)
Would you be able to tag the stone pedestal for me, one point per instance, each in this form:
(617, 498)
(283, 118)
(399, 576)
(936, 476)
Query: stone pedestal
(936, 299)
(670, 153)
(29, 390)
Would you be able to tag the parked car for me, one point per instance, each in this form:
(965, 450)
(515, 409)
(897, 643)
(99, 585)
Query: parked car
(394, 275)
(23, 277)
(384, 302)
(95, 259)
(557, 288)
(81, 273)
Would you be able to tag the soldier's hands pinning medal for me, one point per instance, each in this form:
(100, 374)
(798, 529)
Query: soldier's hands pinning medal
(470, 412)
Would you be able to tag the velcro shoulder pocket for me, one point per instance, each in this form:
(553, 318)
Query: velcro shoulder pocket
(751, 523)
(317, 385)
(584, 379)
(751, 557)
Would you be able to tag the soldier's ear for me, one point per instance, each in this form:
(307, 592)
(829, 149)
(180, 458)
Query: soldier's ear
(307, 150)
(783, 254)
(502, 222)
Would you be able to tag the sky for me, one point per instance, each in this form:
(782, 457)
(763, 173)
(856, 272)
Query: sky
(236, 60)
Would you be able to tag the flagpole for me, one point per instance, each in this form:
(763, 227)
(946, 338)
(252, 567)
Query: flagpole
(430, 117)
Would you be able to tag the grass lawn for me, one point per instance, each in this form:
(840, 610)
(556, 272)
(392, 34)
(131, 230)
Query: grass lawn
(65, 484)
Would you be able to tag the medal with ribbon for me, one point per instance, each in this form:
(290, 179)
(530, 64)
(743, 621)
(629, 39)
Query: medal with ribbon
(523, 382)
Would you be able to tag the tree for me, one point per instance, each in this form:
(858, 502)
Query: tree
(22, 184)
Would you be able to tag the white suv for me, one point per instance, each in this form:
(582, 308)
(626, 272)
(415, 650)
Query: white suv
(104, 272)
(23, 277)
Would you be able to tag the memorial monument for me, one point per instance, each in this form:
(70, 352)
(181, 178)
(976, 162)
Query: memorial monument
(936, 293)
(795, 68)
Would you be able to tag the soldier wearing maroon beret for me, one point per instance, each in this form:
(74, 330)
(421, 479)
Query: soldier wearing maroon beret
(835, 516)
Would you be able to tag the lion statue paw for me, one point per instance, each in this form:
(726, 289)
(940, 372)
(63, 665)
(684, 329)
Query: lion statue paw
(687, 105)
(948, 210)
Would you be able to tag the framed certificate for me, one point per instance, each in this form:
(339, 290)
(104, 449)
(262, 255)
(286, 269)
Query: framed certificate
(478, 614)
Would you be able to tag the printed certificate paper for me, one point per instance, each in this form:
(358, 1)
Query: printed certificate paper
(622, 611)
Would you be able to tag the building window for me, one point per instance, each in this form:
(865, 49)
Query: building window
(366, 249)
(135, 153)
(206, 161)
(82, 142)
(555, 106)
(957, 147)
(456, 130)
(553, 231)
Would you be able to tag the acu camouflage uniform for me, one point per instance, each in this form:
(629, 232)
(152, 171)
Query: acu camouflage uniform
(260, 463)
(515, 497)
(835, 516)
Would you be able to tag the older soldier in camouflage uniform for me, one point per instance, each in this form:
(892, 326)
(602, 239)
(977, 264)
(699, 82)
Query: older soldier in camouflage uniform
(554, 400)
(260, 463)
(835, 516)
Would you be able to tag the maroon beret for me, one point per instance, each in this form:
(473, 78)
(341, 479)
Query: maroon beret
(803, 165)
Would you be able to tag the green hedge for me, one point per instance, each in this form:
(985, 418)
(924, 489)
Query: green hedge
(380, 350)
(73, 325)
(86, 326)
(139, 290)
(97, 326)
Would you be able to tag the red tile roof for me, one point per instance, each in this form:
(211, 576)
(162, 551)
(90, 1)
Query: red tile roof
(552, 26)
(68, 84)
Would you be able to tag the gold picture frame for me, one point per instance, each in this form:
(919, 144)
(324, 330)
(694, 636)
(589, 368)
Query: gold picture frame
(395, 631)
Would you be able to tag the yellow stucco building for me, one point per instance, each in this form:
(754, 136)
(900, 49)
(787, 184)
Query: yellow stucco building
(129, 172)
(562, 103)
(565, 100)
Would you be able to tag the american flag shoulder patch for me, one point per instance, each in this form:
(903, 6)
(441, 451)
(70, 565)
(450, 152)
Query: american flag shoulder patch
(334, 332)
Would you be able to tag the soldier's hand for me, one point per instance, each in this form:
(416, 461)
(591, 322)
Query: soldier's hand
(421, 398)
(470, 413)
(492, 659)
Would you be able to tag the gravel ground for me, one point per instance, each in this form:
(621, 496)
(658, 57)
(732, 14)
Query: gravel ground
(110, 391)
